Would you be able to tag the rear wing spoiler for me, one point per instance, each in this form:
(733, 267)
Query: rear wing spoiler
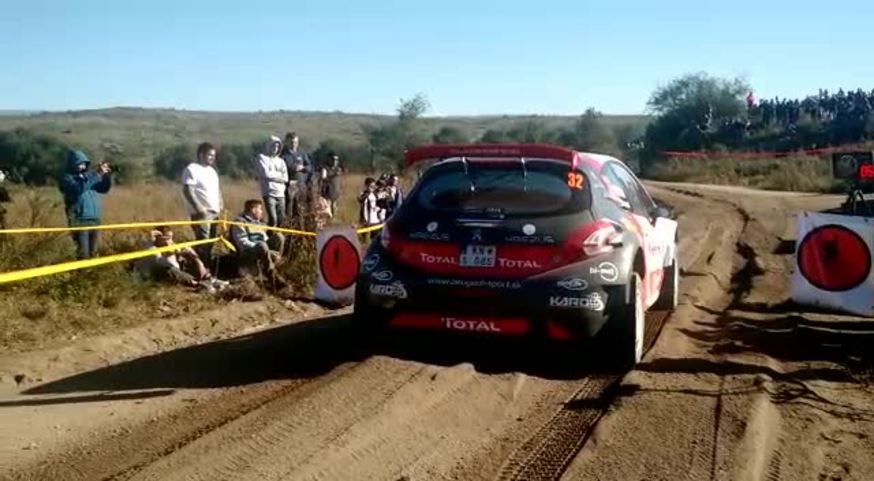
(520, 151)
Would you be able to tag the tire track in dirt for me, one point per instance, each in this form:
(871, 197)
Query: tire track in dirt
(708, 255)
(266, 437)
(130, 449)
(546, 453)
(741, 284)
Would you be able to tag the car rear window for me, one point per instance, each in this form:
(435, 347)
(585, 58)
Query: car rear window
(504, 187)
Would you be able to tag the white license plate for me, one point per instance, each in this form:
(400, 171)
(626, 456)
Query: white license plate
(478, 256)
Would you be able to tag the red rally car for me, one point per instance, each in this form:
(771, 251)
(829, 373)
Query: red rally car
(522, 240)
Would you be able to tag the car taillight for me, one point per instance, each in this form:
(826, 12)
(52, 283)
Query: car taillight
(594, 239)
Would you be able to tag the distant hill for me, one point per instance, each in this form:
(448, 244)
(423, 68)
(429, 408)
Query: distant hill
(142, 132)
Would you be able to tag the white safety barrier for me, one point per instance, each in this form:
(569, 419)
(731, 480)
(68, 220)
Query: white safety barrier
(833, 262)
(338, 260)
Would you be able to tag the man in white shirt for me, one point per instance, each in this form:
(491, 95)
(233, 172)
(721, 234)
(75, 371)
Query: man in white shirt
(273, 177)
(203, 197)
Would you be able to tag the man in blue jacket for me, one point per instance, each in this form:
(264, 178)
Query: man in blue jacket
(82, 190)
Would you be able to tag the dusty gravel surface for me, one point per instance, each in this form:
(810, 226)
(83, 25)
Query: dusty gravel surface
(738, 384)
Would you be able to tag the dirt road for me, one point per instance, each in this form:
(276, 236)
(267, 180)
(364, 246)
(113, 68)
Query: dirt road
(738, 384)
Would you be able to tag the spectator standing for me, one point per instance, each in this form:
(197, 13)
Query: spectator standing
(331, 181)
(369, 210)
(383, 198)
(4, 198)
(252, 244)
(202, 191)
(273, 177)
(300, 171)
(82, 190)
(396, 195)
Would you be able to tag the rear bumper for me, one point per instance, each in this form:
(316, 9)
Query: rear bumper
(541, 307)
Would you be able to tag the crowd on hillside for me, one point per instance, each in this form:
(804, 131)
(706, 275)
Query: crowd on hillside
(824, 107)
(785, 124)
(294, 193)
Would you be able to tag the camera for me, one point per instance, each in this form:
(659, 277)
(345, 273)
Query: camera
(112, 169)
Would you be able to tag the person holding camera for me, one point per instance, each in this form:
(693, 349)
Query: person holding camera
(82, 190)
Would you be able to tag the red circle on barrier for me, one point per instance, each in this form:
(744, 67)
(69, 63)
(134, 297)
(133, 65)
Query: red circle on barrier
(339, 263)
(834, 258)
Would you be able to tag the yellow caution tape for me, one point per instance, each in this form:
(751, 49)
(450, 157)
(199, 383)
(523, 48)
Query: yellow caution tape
(172, 223)
(98, 261)
(294, 231)
(228, 244)
(369, 229)
(267, 227)
(136, 225)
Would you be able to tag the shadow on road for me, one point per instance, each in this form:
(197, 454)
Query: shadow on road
(301, 350)
(88, 398)
(791, 338)
(790, 387)
(724, 368)
(309, 349)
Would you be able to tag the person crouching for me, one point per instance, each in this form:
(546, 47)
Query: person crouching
(254, 253)
(182, 266)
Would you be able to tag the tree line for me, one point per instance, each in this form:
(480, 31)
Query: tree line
(695, 112)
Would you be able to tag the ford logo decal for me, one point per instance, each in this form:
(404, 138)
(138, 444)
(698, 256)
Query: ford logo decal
(574, 284)
(383, 276)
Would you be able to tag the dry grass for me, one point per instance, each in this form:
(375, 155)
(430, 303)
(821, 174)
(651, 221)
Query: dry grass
(801, 173)
(41, 310)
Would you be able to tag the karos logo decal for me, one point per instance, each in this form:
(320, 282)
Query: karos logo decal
(593, 302)
(396, 290)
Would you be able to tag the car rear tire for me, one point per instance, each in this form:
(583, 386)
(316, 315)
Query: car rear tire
(669, 297)
(626, 328)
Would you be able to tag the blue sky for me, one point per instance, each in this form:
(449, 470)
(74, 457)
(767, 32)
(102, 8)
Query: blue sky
(468, 57)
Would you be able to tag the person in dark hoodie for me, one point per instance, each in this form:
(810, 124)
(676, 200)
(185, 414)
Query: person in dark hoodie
(300, 171)
(82, 190)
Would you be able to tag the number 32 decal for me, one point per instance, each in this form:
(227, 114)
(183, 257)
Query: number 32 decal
(575, 180)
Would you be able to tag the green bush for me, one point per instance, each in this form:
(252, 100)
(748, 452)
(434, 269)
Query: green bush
(30, 158)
